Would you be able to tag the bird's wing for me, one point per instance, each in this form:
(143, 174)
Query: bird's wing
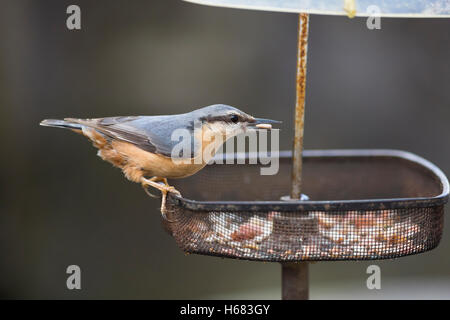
(136, 130)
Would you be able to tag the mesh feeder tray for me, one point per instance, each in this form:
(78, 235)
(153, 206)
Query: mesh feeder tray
(364, 205)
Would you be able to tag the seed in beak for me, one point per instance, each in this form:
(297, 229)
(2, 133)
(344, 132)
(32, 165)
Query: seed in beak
(264, 126)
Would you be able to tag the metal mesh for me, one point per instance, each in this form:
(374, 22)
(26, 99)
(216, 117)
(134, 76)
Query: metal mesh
(238, 230)
(313, 235)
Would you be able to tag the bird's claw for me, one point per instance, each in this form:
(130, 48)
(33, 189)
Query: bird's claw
(171, 189)
(162, 186)
(149, 193)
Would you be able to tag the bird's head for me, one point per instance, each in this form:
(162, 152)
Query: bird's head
(229, 121)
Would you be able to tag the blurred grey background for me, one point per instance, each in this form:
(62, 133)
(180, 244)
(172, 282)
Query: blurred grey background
(62, 205)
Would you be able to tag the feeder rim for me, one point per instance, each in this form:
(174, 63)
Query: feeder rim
(330, 12)
(325, 205)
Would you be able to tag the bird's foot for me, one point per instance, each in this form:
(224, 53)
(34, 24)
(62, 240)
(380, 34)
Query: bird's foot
(164, 187)
(158, 183)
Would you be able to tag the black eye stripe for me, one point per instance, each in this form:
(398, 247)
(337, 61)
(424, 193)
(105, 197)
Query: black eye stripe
(231, 118)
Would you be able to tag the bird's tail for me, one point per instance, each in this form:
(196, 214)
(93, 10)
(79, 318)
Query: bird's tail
(60, 124)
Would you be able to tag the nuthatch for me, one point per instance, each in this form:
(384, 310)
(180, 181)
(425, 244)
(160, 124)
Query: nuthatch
(142, 146)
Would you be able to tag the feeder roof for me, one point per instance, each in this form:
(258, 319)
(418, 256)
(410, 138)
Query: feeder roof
(363, 8)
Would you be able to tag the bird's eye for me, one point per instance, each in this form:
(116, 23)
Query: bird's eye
(234, 118)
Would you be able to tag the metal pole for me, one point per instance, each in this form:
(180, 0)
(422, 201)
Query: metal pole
(295, 281)
(299, 123)
(294, 276)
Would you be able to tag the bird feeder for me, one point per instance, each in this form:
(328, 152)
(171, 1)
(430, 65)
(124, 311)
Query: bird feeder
(360, 204)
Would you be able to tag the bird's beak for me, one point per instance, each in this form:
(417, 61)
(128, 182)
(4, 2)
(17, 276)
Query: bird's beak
(260, 123)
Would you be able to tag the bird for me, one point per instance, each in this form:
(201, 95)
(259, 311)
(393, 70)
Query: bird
(144, 146)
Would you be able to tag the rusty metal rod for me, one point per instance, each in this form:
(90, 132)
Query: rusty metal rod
(299, 120)
(295, 282)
